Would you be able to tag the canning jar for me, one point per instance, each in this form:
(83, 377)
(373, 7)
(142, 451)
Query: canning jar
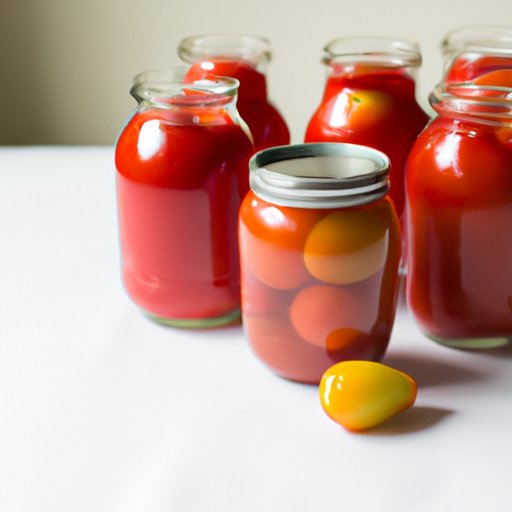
(245, 58)
(182, 171)
(369, 99)
(320, 247)
(473, 51)
(459, 191)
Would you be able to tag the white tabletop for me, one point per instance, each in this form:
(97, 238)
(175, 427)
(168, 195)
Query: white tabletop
(102, 410)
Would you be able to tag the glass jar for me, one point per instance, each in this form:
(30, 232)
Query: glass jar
(459, 191)
(245, 58)
(369, 99)
(319, 245)
(182, 171)
(471, 52)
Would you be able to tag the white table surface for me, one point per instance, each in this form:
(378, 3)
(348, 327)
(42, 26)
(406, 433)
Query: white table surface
(102, 410)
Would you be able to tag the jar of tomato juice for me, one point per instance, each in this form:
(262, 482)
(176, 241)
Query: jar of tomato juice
(182, 163)
(320, 247)
(459, 190)
(369, 99)
(245, 58)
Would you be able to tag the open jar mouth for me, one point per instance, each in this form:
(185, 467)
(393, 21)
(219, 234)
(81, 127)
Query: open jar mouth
(487, 39)
(491, 104)
(383, 51)
(319, 175)
(255, 49)
(168, 88)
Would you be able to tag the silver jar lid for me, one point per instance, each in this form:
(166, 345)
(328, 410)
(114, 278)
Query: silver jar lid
(319, 175)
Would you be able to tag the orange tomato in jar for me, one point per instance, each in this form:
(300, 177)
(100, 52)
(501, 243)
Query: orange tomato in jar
(273, 238)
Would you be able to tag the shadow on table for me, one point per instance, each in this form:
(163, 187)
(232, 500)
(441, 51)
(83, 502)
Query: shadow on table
(430, 371)
(413, 420)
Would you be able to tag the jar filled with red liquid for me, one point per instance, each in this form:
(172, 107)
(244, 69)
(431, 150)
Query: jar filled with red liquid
(182, 172)
(471, 52)
(319, 250)
(369, 99)
(245, 58)
(459, 191)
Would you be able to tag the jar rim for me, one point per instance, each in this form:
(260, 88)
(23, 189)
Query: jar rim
(388, 51)
(252, 48)
(488, 103)
(493, 39)
(157, 87)
(352, 175)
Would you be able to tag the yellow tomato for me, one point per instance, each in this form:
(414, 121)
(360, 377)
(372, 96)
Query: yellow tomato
(362, 394)
(348, 246)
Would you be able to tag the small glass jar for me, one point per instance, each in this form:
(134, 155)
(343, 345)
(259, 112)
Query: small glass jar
(182, 171)
(474, 51)
(245, 58)
(320, 247)
(369, 99)
(459, 191)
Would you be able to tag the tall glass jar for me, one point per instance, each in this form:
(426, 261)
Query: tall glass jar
(474, 51)
(245, 58)
(459, 191)
(182, 172)
(319, 247)
(369, 99)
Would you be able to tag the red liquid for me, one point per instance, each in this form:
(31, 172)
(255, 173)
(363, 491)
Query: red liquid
(376, 109)
(179, 190)
(459, 190)
(267, 126)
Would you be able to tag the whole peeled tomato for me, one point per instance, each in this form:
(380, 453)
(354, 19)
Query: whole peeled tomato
(331, 317)
(272, 241)
(357, 110)
(348, 246)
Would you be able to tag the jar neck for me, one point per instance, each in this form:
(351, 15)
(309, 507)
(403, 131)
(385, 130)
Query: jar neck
(242, 57)
(490, 39)
(205, 101)
(320, 175)
(363, 56)
(487, 105)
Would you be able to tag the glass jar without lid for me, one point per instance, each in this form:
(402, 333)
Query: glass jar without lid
(181, 175)
(459, 191)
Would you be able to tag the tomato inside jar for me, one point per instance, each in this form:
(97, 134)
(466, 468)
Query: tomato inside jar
(319, 249)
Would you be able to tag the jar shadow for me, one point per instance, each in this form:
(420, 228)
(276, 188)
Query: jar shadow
(430, 371)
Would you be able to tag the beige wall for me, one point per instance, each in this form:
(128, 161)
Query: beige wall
(66, 66)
